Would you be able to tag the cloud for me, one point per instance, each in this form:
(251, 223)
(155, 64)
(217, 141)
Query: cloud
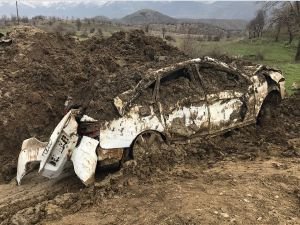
(34, 3)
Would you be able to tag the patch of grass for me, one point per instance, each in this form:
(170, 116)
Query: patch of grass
(291, 72)
(5, 29)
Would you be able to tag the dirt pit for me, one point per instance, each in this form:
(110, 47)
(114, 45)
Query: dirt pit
(247, 176)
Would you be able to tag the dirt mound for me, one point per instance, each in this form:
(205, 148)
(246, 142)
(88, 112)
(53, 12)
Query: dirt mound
(39, 70)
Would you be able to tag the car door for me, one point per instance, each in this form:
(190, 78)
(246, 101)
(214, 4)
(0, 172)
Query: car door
(230, 97)
(182, 104)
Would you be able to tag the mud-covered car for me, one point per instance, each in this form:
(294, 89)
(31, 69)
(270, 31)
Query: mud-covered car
(195, 98)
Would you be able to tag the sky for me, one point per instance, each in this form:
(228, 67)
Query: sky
(50, 2)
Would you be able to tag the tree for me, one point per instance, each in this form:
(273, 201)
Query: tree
(163, 30)
(147, 28)
(4, 20)
(78, 24)
(99, 32)
(25, 19)
(256, 25)
(294, 17)
(282, 17)
(13, 19)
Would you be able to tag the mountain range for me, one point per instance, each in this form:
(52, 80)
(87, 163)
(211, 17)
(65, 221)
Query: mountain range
(118, 9)
(149, 16)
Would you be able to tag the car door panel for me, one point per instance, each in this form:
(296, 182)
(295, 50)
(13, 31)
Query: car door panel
(185, 111)
(229, 105)
(188, 120)
(225, 113)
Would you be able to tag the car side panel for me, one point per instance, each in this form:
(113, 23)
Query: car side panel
(120, 133)
(185, 121)
(260, 91)
(229, 109)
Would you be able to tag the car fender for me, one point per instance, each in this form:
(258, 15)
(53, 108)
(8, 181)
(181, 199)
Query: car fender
(84, 159)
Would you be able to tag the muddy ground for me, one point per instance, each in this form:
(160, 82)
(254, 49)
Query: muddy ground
(246, 176)
(250, 175)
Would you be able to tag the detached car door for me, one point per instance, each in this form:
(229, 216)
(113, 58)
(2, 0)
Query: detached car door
(182, 104)
(230, 97)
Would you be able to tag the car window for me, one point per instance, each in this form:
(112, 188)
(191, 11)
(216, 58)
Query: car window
(176, 86)
(216, 80)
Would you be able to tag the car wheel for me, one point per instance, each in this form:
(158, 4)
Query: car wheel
(269, 111)
(146, 144)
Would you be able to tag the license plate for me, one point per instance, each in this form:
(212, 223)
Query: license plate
(59, 149)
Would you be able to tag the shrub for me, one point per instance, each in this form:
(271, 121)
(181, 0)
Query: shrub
(170, 38)
(259, 56)
(216, 38)
(84, 34)
(92, 30)
(215, 53)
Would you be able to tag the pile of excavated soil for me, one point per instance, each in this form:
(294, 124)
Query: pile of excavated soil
(39, 70)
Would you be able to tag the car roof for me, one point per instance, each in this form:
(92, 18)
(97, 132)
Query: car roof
(123, 100)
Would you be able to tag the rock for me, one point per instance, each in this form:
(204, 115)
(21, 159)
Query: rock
(225, 215)
(53, 211)
(246, 200)
(35, 98)
(295, 86)
(294, 143)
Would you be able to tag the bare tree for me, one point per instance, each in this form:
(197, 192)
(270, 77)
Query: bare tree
(24, 19)
(147, 28)
(256, 26)
(293, 15)
(163, 30)
(282, 17)
(4, 20)
(78, 24)
(99, 32)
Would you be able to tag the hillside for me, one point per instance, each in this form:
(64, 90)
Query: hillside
(226, 24)
(147, 16)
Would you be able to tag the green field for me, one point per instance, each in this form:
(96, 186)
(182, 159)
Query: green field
(265, 51)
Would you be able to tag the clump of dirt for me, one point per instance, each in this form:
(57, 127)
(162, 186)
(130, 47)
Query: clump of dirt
(40, 70)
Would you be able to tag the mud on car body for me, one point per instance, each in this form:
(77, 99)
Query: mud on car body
(198, 97)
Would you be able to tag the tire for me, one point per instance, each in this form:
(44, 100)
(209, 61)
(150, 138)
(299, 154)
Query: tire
(145, 145)
(269, 109)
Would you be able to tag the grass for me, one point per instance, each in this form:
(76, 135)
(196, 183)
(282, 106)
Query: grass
(275, 54)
